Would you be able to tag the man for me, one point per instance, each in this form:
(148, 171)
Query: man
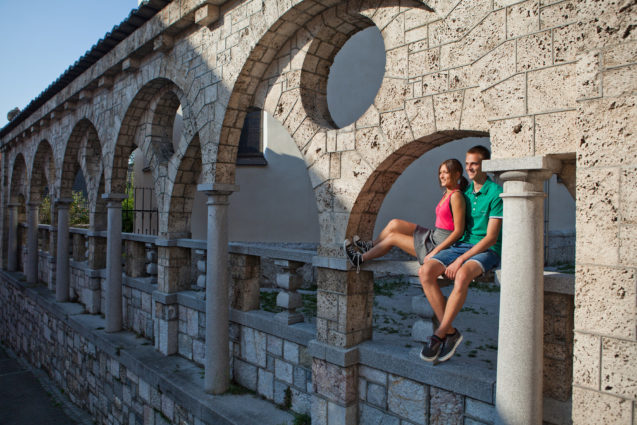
(477, 252)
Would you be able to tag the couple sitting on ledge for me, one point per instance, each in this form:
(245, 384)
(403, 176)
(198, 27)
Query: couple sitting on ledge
(465, 243)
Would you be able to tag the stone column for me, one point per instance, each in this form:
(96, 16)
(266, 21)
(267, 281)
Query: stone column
(114, 262)
(32, 242)
(62, 264)
(217, 377)
(520, 348)
(12, 255)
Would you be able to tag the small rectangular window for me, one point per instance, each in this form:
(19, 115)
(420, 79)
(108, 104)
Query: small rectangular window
(251, 140)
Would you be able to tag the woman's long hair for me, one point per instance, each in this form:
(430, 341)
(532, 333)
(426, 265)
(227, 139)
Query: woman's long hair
(454, 166)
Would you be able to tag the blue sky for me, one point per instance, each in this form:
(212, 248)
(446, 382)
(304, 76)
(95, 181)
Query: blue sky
(40, 39)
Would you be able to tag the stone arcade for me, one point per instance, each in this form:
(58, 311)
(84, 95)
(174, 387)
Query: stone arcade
(552, 83)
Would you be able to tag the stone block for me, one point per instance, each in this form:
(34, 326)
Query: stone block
(377, 395)
(301, 401)
(198, 351)
(551, 88)
(266, 384)
(275, 345)
(396, 128)
(280, 389)
(608, 143)
(522, 18)
(245, 374)
(512, 137)
(391, 94)
(555, 133)
(445, 407)
(621, 54)
(605, 301)
(253, 346)
(340, 415)
(619, 370)
(327, 305)
(627, 246)
(598, 198)
(283, 371)
(506, 99)
(300, 378)
(619, 81)
(291, 352)
(566, 45)
(420, 113)
(592, 407)
(373, 375)
(407, 398)
(334, 382)
(448, 109)
(534, 51)
(480, 410)
(185, 346)
(558, 14)
(628, 206)
(372, 416)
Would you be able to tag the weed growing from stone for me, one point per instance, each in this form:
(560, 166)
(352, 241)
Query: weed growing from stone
(302, 419)
(235, 388)
(287, 400)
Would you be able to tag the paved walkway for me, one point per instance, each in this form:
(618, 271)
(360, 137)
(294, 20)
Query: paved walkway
(28, 397)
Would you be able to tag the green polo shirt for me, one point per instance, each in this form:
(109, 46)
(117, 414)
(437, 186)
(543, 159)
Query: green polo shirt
(481, 206)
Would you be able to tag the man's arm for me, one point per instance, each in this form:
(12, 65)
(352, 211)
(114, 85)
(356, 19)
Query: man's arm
(493, 231)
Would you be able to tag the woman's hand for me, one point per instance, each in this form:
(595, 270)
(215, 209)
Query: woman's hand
(453, 268)
(431, 254)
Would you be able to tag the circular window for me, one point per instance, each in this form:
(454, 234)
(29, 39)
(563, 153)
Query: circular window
(355, 76)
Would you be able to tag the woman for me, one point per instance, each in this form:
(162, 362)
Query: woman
(414, 239)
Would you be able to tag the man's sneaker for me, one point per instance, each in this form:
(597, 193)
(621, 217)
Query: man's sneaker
(364, 246)
(354, 257)
(451, 343)
(431, 350)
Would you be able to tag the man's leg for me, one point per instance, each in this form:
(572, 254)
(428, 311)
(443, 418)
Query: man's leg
(469, 271)
(428, 274)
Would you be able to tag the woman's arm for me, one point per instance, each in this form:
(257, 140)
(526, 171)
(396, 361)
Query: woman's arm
(458, 207)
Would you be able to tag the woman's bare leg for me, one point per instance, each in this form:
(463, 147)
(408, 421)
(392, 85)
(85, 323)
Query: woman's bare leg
(398, 233)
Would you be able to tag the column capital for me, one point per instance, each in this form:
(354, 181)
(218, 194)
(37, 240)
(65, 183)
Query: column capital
(63, 203)
(524, 164)
(212, 189)
(114, 200)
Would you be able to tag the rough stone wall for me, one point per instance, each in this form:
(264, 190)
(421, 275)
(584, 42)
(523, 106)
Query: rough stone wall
(604, 372)
(92, 377)
(558, 346)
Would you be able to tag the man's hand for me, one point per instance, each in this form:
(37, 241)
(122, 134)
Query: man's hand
(453, 268)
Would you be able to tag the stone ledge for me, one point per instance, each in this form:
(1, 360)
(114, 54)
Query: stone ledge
(300, 333)
(177, 377)
(473, 382)
(339, 356)
(272, 251)
(556, 282)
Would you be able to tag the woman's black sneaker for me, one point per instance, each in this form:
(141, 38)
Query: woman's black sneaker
(431, 350)
(452, 342)
(364, 246)
(352, 254)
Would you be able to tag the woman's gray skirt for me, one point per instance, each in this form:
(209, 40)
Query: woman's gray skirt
(425, 240)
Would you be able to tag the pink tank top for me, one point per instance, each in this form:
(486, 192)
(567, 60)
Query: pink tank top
(444, 218)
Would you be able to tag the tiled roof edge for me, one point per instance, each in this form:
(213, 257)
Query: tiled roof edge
(136, 18)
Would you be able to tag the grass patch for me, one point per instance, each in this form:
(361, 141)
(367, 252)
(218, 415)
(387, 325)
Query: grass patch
(568, 268)
(388, 288)
(302, 419)
(309, 305)
(268, 301)
(236, 389)
(485, 286)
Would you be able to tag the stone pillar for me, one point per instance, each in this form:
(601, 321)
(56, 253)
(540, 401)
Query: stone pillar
(519, 396)
(113, 296)
(289, 280)
(12, 254)
(244, 270)
(344, 320)
(135, 258)
(217, 376)
(62, 264)
(32, 242)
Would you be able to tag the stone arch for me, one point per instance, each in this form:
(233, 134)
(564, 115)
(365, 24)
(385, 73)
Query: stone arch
(182, 193)
(42, 172)
(18, 184)
(387, 170)
(147, 123)
(82, 153)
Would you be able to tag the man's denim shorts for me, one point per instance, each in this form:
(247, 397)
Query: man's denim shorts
(487, 259)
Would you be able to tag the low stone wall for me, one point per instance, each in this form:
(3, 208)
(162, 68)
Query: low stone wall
(118, 378)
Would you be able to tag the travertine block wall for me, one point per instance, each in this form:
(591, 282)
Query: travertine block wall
(538, 76)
